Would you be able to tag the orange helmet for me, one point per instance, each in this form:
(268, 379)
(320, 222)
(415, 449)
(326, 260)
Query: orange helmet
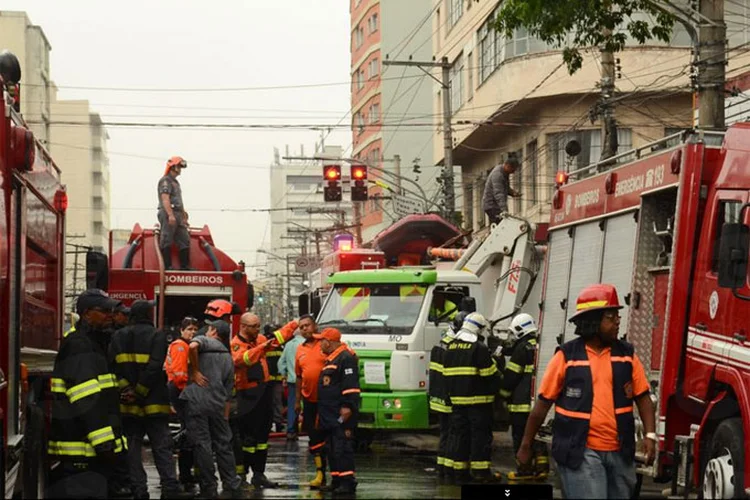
(218, 308)
(596, 297)
(175, 161)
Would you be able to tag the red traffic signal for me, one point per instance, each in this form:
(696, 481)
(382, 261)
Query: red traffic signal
(332, 172)
(358, 172)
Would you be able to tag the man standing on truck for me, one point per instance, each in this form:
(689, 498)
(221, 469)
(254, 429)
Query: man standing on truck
(338, 407)
(516, 389)
(593, 381)
(472, 380)
(86, 429)
(308, 365)
(137, 354)
(173, 220)
(254, 397)
(497, 189)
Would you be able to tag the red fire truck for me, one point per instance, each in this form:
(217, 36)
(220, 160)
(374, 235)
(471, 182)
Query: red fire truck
(32, 255)
(667, 224)
(136, 272)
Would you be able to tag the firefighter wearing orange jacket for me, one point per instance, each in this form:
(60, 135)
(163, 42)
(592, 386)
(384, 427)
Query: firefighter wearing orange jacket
(254, 397)
(176, 367)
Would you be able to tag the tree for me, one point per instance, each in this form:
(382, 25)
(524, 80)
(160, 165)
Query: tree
(575, 24)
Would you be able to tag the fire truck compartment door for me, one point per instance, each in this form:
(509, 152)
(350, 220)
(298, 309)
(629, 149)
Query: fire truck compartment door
(408, 370)
(618, 259)
(558, 271)
(585, 266)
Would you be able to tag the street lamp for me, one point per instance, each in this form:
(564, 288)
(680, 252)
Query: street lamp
(288, 280)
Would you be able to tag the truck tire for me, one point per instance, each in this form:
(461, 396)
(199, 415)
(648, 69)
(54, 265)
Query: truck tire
(34, 454)
(723, 475)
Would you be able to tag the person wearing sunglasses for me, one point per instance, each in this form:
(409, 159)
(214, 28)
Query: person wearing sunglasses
(173, 219)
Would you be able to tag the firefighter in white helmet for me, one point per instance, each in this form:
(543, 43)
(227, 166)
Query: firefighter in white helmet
(516, 390)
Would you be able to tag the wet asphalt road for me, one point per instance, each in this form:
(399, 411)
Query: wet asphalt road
(396, 466)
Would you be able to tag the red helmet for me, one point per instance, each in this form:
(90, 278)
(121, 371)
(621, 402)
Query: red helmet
(218, 308)
(596, 297)
(175, 161)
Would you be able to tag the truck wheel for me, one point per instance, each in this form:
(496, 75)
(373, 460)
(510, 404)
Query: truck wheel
(724, 472)
(34, 454)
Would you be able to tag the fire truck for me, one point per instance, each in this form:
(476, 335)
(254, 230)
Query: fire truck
(136, 272)
(667, 224)
(32, 258)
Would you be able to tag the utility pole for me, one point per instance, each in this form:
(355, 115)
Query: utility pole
(358, 222)
(289, 312)
(711, 67)
(397, 165)
(609, 125)
(449, 193)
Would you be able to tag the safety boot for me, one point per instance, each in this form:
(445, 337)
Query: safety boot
(185, 259)
(166, 255)
(261, 481)
(320, 477)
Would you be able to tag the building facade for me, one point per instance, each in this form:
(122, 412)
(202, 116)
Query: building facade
(515, 97)
(391, 105)
(28, 42)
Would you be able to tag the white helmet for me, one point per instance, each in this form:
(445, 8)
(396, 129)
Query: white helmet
(474, 323)
(523, 324)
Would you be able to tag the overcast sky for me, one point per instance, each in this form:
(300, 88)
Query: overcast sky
(169, 44)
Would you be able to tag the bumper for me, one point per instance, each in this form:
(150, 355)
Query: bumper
(394, 410)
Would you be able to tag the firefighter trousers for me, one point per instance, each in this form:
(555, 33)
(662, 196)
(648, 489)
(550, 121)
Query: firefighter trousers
(310, 427)
(157, 429)
(254, 428)
(340, 451)
(177, 234)
(472, 438)
(185, 449)
(74, 478)
(445, 454)
(540, 463)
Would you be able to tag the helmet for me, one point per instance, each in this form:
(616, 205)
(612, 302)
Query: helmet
(218, 308)
(594, 298)
(474, 323)
(175, 161)
(523, 324)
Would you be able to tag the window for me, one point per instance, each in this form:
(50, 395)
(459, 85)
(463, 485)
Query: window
(446, 303)
(470, 74)
(728, 213)
(360, 122)
(373, 157)
(359, 37)
(373, 68)
(455, 11)
(360, 79)
(372, 23)
(457, 83)
(516, 180)
(375, 113)
(487, 60)
(532, 171)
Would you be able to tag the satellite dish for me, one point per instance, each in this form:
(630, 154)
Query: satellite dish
(573, 148)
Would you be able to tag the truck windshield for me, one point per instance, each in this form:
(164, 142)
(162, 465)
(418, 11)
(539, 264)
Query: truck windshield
(373, 308)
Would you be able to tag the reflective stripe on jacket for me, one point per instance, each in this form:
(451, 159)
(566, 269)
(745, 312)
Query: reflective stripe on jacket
(438, 393)
(176, 364)
(470, 373)
(518, 375)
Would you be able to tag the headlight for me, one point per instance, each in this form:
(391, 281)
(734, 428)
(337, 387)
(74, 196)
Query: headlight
(397, 403)
(386, 403)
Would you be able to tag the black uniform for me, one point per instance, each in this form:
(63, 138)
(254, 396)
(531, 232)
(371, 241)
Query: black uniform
(86, 431)
(178, 233)
(137, 353)
(338, 387)
(440, 403)
(516, 388)
(472, 380)
(275, 386)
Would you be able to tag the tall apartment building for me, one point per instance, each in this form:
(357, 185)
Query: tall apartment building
(28, 42)
(513, 96)
(389, 102)
(299, 210)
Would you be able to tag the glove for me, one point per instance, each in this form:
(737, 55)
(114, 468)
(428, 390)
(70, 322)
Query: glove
(106, 453)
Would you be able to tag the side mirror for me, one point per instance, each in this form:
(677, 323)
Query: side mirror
(97, 270)
(250, 296)
(734, 247)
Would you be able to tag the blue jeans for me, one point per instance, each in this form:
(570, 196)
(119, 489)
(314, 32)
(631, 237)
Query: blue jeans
(603, 474)
(291, 416)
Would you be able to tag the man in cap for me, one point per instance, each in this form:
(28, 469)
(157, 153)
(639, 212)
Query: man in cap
(173, 220)
(497, 189)
(208, 396)
(593, 381)
(137, 354)
(86, 430)
(338, 407)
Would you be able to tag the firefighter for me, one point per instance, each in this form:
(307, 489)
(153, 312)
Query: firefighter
(218, 309)
(120, 318)
(338, 407)
(275, 384)
(176, 367)
(137, 354)
(593, 382)
(249, 350)
(86, 430)
(173, 220)
(440, 403)
(308, 363)
(516, 388)
(472, 380)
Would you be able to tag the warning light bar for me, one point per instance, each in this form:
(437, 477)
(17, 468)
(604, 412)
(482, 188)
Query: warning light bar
(343, 242)
(561, 178)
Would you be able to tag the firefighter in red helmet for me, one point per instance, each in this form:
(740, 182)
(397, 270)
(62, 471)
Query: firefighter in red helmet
(593, 382)
(173, 219)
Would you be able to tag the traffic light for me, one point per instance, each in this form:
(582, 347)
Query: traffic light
(332, 175)
(359, 182)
